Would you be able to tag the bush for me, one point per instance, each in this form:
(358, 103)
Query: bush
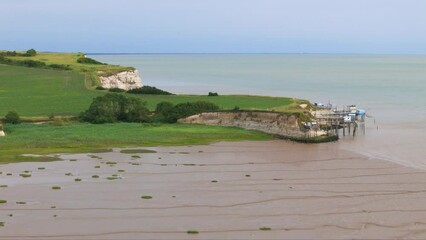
(11, 54)
(116, 90)
(148, 90)
(30, 53)
(86, 60)
(115, 107)
(60, 66)
(100, 88)
(12, 117)
(213, 94)
(166, 112)
(31, 63)
(24, 63)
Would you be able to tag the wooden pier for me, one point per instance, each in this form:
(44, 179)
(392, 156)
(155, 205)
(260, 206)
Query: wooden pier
(348, 121)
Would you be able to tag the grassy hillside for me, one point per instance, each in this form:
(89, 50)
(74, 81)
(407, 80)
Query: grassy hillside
(33, 92)
(70, 59)
(42, 92)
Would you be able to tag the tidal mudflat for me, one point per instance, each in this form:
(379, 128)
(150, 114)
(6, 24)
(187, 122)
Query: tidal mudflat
(243, 190)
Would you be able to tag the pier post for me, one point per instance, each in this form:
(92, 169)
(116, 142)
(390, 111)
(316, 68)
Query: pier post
(344, 129)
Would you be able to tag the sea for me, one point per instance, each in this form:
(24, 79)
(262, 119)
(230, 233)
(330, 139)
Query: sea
(391, 88)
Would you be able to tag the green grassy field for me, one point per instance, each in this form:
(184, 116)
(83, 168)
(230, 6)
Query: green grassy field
(42, 92)
(71, 60)
(35, 92)
(44, 139)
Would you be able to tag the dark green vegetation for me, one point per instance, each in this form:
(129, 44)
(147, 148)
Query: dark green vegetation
(116, 108)
(192, 232)
(86, 60)
(146, 197)
(12, 117)
(148, 90)
(45, 138)
(56, 188)
(166, 112)
(116, 90)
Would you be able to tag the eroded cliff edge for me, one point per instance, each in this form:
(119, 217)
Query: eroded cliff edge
(125, 80)
(268, 122)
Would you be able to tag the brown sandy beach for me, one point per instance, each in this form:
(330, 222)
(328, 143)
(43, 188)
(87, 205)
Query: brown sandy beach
(223, 191)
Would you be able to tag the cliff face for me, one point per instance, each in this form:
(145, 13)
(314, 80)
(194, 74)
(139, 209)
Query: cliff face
(2, 134)
(125, 80)
(268, 122)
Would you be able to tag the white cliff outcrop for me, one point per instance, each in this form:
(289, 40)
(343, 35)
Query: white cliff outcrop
(2, 134)
(125, 80)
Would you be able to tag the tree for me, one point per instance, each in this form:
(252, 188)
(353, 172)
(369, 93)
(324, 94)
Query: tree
(30, 53)
(165, 112)
(116, 107)
(191, 108)
(12, 117)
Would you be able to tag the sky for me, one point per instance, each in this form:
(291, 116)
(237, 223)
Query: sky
(215, 26)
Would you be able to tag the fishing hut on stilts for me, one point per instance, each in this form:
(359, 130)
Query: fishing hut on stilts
(347, 121)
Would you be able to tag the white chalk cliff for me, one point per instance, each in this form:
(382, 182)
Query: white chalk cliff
(125, 80)
(2, 134)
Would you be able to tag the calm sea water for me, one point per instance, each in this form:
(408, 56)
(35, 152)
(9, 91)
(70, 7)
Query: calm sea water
(391, 88)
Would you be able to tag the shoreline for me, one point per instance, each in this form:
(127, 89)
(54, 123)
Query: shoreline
(227, 190)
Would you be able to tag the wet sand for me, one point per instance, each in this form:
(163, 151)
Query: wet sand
(223, 191)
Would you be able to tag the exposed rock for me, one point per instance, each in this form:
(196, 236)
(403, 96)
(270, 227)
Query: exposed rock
(268, 122)
(2, 134)
(303, 106)
(125, 80)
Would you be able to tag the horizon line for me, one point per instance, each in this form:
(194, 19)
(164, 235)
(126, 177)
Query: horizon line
(241, 53)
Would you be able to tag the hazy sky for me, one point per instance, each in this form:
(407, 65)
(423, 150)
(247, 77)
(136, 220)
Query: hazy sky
(176, 26)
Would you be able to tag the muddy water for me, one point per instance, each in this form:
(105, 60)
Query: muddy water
(223, 191)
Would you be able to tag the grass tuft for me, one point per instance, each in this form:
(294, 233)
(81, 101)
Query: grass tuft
(131, 151)
(265, 228)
